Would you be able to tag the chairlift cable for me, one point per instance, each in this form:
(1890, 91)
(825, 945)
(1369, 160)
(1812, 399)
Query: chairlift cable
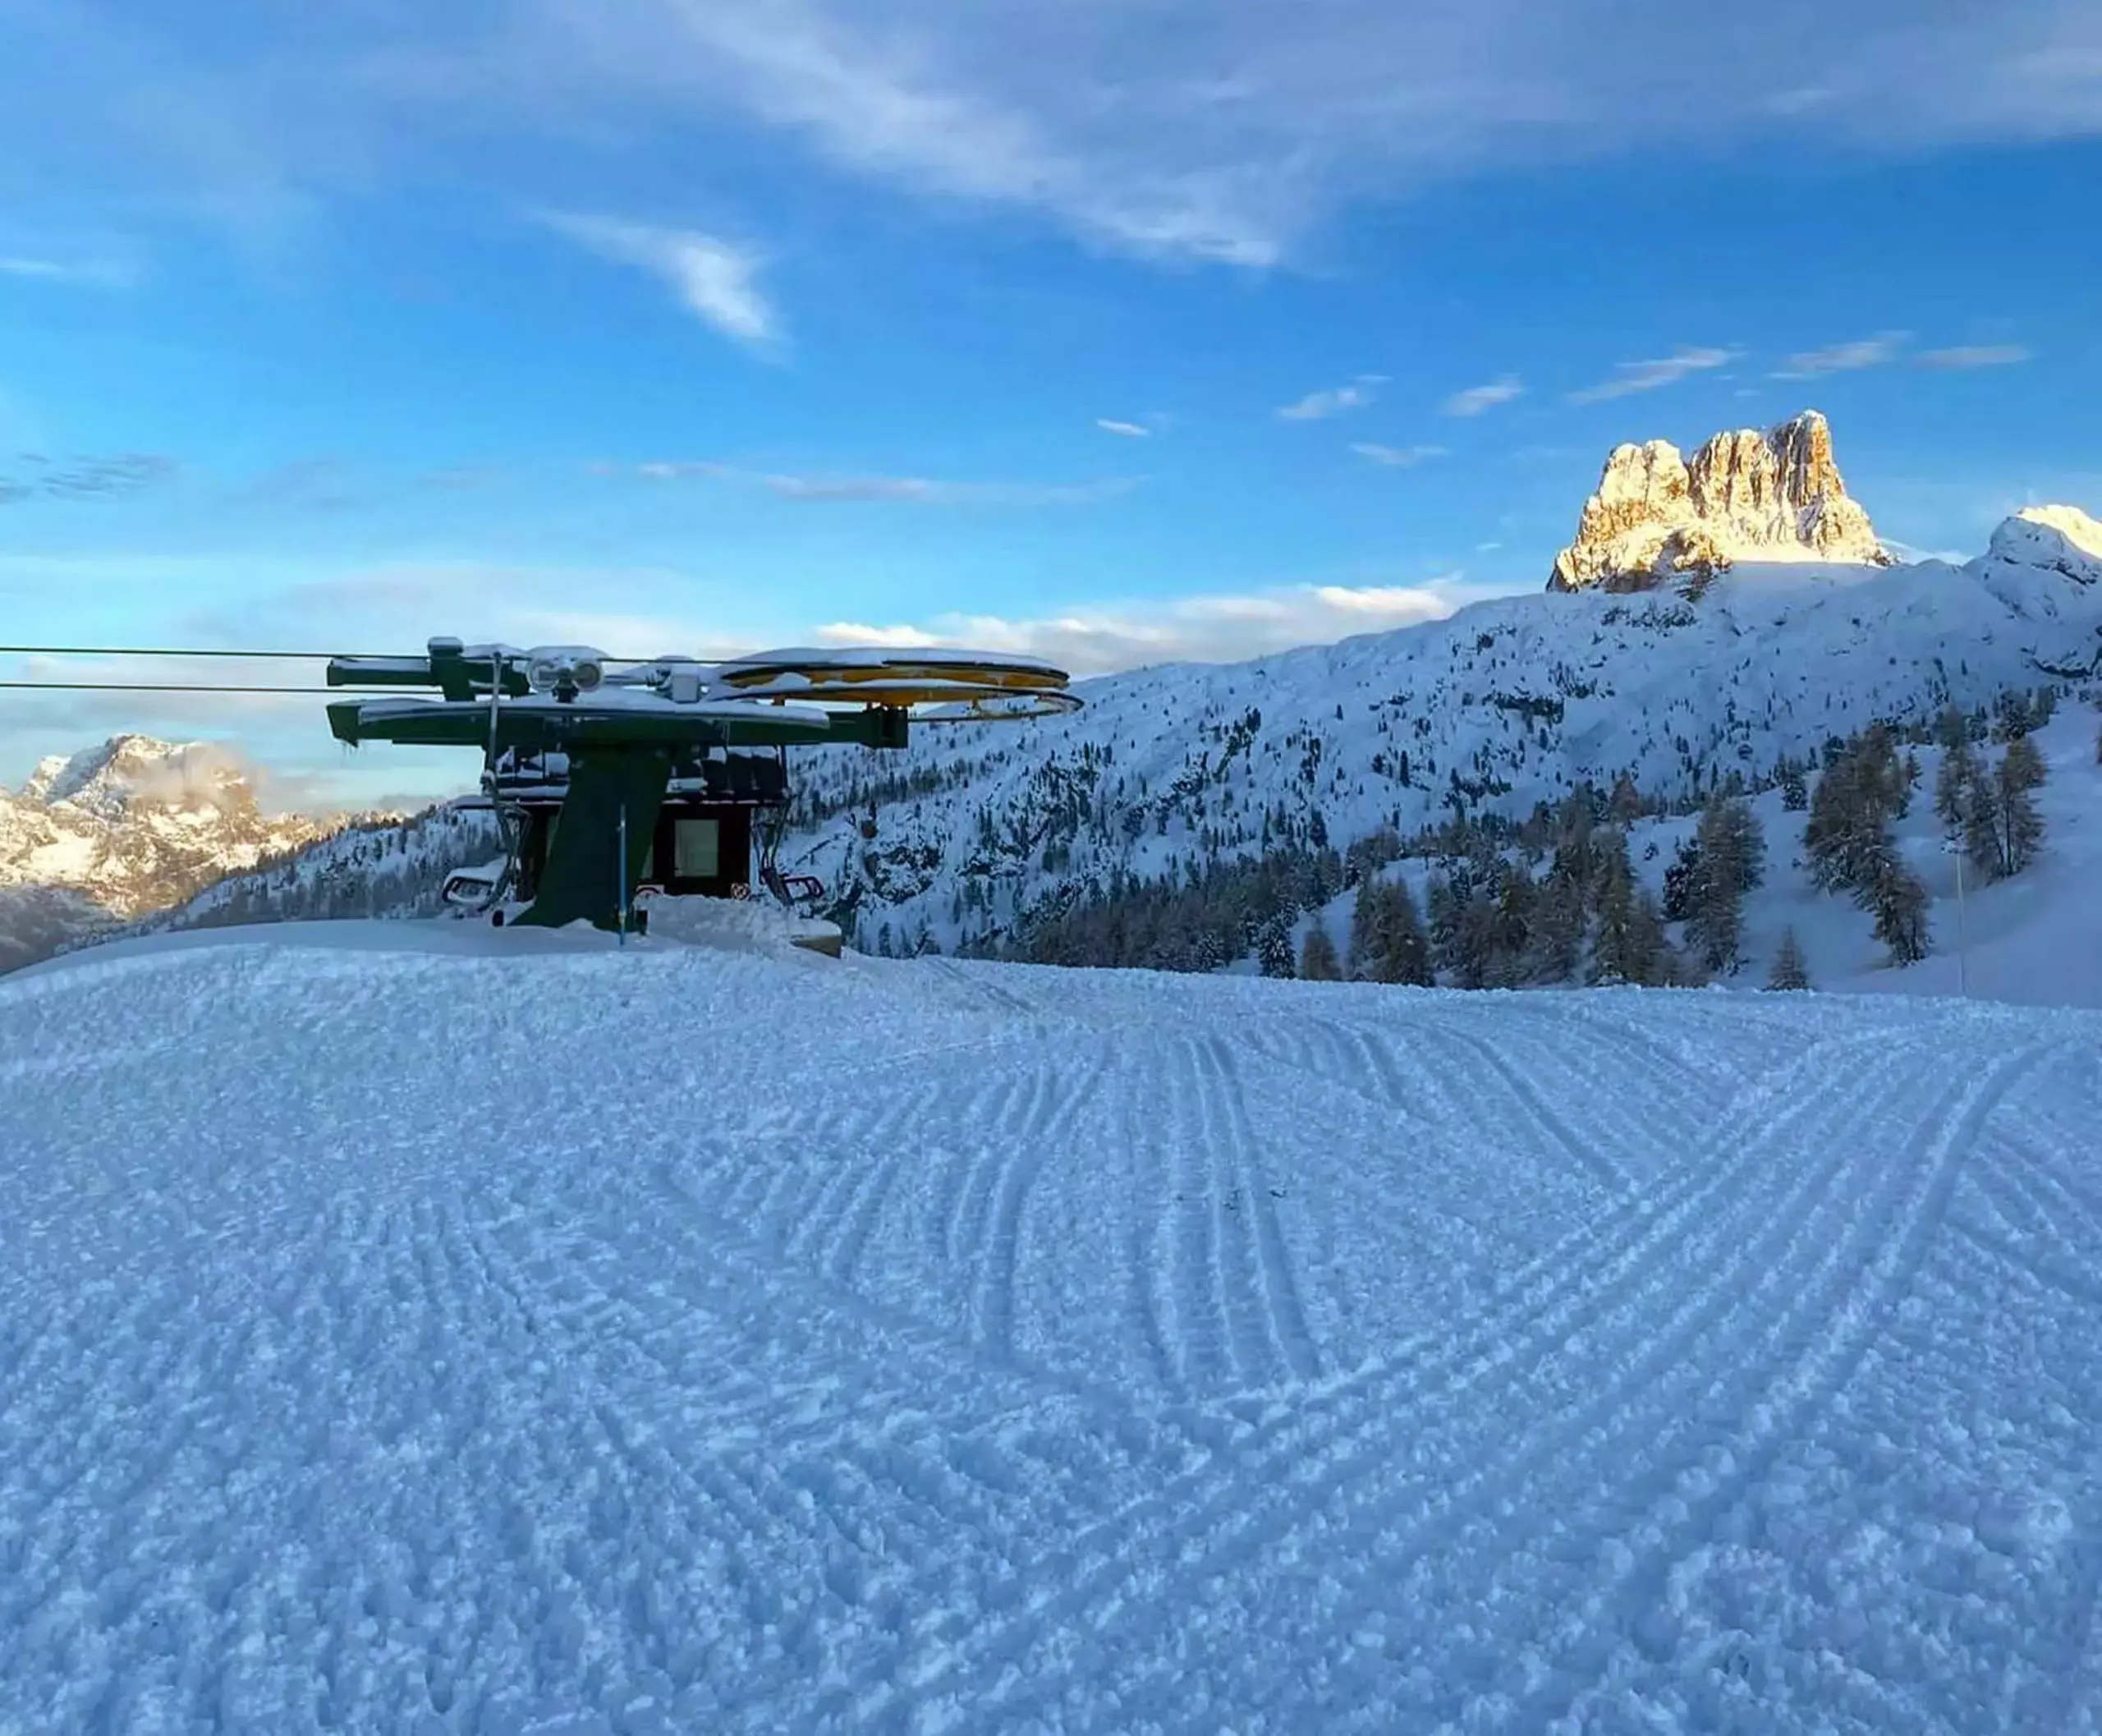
(140, 651)
(179, 687)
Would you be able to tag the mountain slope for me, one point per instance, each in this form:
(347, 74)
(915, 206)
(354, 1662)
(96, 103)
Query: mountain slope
(377, 866)
(1505, 704)
(2034, 939)
(397, 1348)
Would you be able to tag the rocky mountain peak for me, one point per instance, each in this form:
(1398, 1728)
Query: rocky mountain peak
(1744, 495)
(129, 826)
(130, 769)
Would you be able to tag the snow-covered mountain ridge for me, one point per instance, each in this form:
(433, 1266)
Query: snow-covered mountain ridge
(1502, 705)
(1505, 705)
(124, 828)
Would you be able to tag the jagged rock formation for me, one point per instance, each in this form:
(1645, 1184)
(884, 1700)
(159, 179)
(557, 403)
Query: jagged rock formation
(1744, 496)
(123, 829)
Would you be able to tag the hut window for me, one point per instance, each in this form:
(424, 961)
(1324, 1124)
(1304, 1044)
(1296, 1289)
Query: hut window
(696, 849)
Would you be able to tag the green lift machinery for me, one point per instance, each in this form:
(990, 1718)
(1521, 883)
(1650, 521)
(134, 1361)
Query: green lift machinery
(606, 778)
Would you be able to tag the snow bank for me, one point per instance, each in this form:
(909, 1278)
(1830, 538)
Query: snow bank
(741, 924)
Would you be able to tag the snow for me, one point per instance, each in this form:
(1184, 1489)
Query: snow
(2070, 522)
(602, 699)
(123, 829)
(756, 924)
(1503, 704)
(2059, 539)
(427, 1328)
(2035, 939)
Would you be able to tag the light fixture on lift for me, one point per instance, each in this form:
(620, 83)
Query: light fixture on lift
(565, 670)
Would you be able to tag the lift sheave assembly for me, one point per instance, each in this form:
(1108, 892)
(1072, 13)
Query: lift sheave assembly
(609, 778)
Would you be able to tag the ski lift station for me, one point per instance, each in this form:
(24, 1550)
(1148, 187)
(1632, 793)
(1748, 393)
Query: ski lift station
(612, 781)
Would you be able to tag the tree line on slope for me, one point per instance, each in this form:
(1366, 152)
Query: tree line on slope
(1555, 899)
(370, 868)
(1559, 908)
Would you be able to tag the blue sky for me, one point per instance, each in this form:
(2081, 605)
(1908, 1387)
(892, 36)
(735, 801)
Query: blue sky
(1114, 331)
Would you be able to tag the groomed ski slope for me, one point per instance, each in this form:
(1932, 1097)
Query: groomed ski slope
(401, 1333)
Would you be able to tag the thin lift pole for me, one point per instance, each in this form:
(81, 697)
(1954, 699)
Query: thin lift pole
(1953, 846)
(621, 872)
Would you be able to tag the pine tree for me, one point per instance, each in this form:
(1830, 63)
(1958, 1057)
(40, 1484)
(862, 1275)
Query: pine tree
(1448, 901)
(1469, 958)
(1510, 939)
(1611, 948)
(1365, 924)
(1631, 929)
(1273, 948)
(1386, 941)
(1624, 805)
(1860, 793)
(1788, 970)
(1952, 786)
(1317, 956)
(1830, 838)
(2021, 824)
(1731, 854)
(1683, 879)
(1650, 960)
(1405, 950)
(1894, 896)
(1952, 728)
(1557, 932)
(1982, 826)
(1795, 793)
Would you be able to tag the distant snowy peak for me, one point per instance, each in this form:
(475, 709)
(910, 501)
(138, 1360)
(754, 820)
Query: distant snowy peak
(2062, 539)
(1744, 496)
(129, 827)
(127, 768)
(40, 782)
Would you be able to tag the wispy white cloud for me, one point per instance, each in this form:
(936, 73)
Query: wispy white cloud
(1129, 430)
(1878, 352)
(1316, 406)
(372, 608)
(1216, 628)
(1396, 457)
(913, 491)
(1477, 399)
(1974, 356)
(1220, 130)
(1909, 553)
(1648, 376)
(715, 280)
(104, 268)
